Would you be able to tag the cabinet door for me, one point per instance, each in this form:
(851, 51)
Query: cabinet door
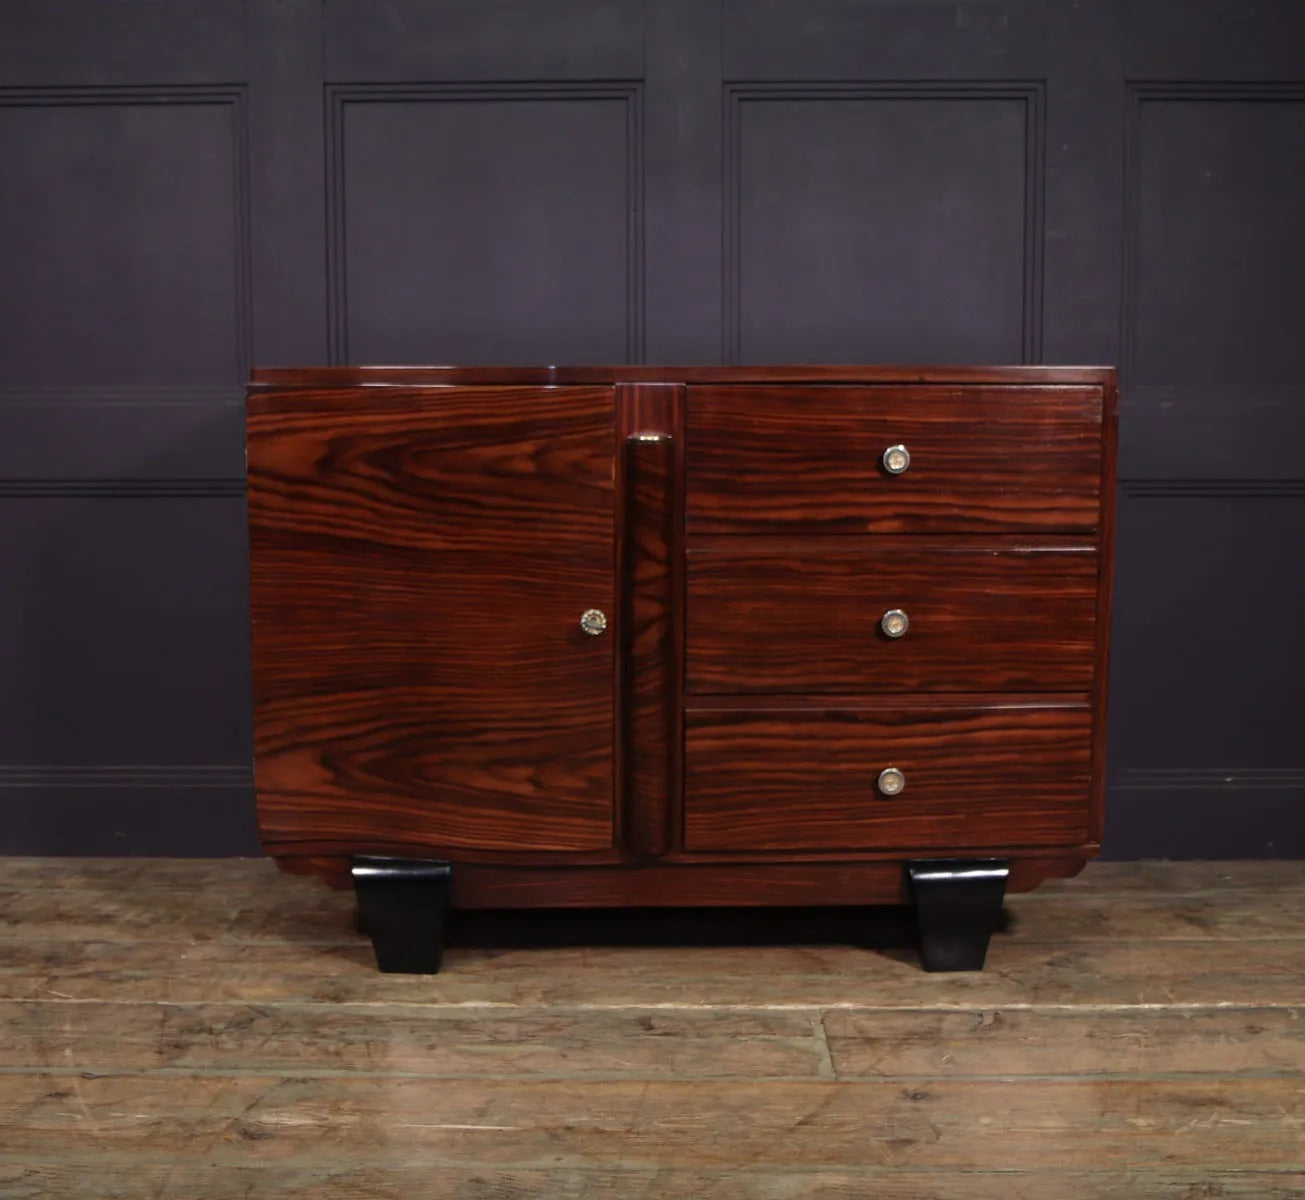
(421, 559)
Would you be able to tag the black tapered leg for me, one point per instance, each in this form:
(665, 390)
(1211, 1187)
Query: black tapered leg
(957, 906)
(402, 903)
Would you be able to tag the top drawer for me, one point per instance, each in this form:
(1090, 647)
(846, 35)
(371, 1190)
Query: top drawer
(809, 459)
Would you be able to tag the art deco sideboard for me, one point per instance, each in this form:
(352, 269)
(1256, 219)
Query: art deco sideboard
(703, 636)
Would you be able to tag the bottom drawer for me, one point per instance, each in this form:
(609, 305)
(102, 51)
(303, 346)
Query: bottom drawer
(974, 776)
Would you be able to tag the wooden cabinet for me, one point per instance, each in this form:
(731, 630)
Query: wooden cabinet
(639, 636)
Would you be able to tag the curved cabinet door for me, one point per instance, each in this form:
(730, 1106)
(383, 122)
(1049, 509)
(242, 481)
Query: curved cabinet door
(422, 560)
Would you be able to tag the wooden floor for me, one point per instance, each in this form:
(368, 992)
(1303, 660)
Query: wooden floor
(215, 1029)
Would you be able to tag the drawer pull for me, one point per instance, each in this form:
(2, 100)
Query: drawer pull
(894, 623)
(896, 459)
(593, 621)
(891, 781)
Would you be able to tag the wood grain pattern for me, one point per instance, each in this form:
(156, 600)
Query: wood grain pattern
(706, 879)
(434, 468)
(982, 618)
(419, 564)
(1091, 1042)
(413, 767)
(680, 879)
(1088, 917)
(499, 879)
(426, 1040)
(1139, 974)
(976, 777)
(1190, 880)
(453, 622)
(98, 1176)
(710, 880)
(808, 459)
(655, 1043)
(1105, 601)
(650, 567)
(278, 1120)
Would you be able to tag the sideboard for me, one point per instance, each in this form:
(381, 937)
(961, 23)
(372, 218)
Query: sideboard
(640, 636)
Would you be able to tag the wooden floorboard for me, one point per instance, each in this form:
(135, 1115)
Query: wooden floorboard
(109, 1178)
(216, 1029)
(1019, 974)
(1073, 1042)
(424, 1040)
(996, 1124)
(269, 912)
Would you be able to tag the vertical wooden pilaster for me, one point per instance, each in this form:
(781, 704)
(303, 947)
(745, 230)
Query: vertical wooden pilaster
(649, 553)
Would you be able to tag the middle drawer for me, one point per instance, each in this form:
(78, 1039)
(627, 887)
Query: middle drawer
(977, 617)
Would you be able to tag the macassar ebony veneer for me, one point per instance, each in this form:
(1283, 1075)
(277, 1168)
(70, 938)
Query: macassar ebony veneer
(703, 636)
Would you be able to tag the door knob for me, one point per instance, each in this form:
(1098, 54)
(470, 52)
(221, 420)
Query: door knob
(894, 623)
(593, 621)
(896, 459)
(891, 781)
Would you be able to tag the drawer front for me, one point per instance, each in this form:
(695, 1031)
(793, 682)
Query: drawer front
(975, 777)
(978, 618)
(810, 458)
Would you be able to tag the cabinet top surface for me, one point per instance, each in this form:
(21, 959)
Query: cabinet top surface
(409, 376)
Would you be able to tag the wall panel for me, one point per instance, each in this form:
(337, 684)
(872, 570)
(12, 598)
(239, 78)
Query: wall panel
(486, 224)
(868, 223)
(1216, 252)
(126, 668)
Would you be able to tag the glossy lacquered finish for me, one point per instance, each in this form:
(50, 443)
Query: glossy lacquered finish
(650, 572)
(980, 616)
(983, 457)
(402, 906)
(979, 774)
(425, 542)
(958, 905)
(420, 564)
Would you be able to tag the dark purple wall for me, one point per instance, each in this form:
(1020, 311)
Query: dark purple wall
(190, 188)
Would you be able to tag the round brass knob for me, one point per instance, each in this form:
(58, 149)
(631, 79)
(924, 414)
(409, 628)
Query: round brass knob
(891, 781)
(896, 459)
(593, 621)
(894, 623)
